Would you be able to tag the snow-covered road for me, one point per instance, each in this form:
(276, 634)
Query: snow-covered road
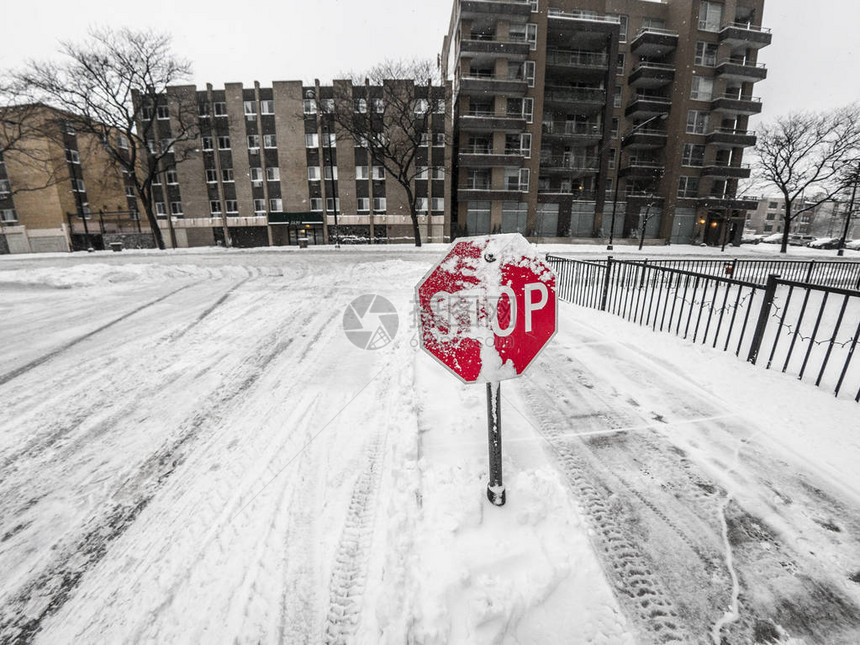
(191, 450)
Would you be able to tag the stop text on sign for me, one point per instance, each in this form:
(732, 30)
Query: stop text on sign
(487, 308)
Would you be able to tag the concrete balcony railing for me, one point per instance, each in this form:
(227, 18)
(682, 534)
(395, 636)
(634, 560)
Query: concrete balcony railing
(645, 138)
(729, 138)
(578, 100)
(577, 59)
(740, 71)
(653, 42)
(510, 49)
(746, 35)
(647, 106)
(516, 11)
(734, 105)
(490, 121)
(726, 171)
(483, 85)
(651, 75)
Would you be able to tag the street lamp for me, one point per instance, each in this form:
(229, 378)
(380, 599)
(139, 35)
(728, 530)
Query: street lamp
(662, 117)
(327, 134)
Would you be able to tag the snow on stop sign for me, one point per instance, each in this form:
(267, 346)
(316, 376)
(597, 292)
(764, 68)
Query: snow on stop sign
(488, 308)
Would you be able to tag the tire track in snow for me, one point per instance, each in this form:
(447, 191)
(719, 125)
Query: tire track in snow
(207, 312)
(349, 574)
(22, 617)
(641, 592)
(5, 378)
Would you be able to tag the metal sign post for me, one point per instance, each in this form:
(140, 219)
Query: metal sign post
(495, 487)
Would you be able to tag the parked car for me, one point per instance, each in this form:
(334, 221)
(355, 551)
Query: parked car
(854, 245)
(824, 243)
(774, 238)
(751, 239)
(800, 240)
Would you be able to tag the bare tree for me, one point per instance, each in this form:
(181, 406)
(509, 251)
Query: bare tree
(396, 122)
(807, 153)
(113, 86)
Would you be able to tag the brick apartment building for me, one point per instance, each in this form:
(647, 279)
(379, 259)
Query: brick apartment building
(824, 220)
(57, 185)
(269, 167)
(560, 105)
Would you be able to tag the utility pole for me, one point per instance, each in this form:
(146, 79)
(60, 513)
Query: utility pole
(849, 213)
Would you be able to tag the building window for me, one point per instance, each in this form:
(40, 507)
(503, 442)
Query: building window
(8, 215)
(250, 108)
(378, 106)
(211, 176)
(332, 203)
(421, 204)
(363, 204)
(78, 186)
(172, 176)
(706, 54)
(257, 175)
(702, 89)
(378, 173)
(276, 205)
(232, 206)
(619, 65)
(688, 187)
(360, 106)
(223, 143)
(379, 204)
(694, 155)
(421, 106)
(207, 143)
(422, 172)
(310, 106)
(273, 174)
(622, 32)
(203, 110)
(770, 216)
(311, 140)
(330, 172)
(156, 180)
(123, 142)
(227, 175)
(773, 205)
(176, 208)
(145, 112)
(314, 173)
(616, 98)
(438, 172)
(531, 36)
(613, 133)
(330, 140)
(5, 187)
(68, 128)
(129, 191)
(162, 112)
(270, 141)
(710, 15)
(327, 106)
(259, 205)
(697, 122)
(267, 107)
(438, 203)
(215, 207)
(72, 156)
(612, 152)
(438, 139)
(150, 145)
(316, 204)
(220, 108)
(253, 142)
(160, 209)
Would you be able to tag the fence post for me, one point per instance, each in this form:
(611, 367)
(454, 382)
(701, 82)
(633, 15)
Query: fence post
(809, 271)
(763, 315)
(605, 292)
(644, 271)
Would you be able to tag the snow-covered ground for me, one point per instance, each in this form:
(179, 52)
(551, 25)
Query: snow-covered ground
(192, 450)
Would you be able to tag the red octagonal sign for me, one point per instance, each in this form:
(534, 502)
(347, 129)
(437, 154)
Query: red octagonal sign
(488, 308)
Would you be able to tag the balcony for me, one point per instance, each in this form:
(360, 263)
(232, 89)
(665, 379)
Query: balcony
(725, 171)
(581, 133)
(490, 48)
(517, 11)
(467, 194)
(576, 100)
(580, 29)
(732, 105)
(481, 158)
(570, 166)
(740, 71)
(582, 64)
(641, 169)
(482, 85)
(651, 42)
(490, 122)
(554, 194)
(643, 107)
(651, 76)
(747, 202)
(645, 138)
(728, 138)
(745, 35)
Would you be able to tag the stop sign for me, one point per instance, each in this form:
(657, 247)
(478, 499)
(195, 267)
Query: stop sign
(488, 308)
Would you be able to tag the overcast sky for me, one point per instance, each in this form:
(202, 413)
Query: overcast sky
(811, 64)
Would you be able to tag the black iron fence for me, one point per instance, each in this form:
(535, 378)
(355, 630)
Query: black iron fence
(804, 329)
(827, 273)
